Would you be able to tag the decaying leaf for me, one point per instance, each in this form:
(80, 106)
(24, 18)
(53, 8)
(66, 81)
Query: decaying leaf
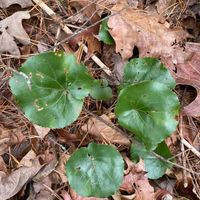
(136, 181)
(75, 196)
(42, 132)
(13, 183)
(9, 137)
(10, 29)
(22, 3)
(27, 160)
(103, 132)
(2, 165)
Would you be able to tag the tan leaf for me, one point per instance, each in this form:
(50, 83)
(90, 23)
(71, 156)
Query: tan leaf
(27, 160)
(136, 181)
(9, 137)
(103, 132)
(22, 3)
(2, 165)
(10, 29)
(60, 169)
(42, 132)
(142, 29)
(75, 196)
(13, 183)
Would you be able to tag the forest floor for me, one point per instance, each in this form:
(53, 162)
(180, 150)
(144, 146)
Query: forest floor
(32, 158)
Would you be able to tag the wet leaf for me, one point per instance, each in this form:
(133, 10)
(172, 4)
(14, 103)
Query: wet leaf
(51, 89)
(95, 171)
(148, 110)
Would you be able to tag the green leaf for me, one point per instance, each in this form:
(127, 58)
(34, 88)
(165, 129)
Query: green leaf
(104, 34)
(95, 171)
(154, 167)
(51, 89)
(101, 91)
(142, 69)
(148, 109)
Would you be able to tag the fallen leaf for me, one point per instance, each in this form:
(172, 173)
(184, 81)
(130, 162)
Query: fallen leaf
(27, 160)
(10, 29)
(9, 137)
(136, 181)
(142, 29)
(22, 3)
(13, 183)
(60, 169)
(42, 132)
(75, 196)
(2, 165)
(103, 132)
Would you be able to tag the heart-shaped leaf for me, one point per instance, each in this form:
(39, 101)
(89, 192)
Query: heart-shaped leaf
(95, 171)
(148, 109)
(142, 69)
(154, 166)
(50, 88)
(104, 34)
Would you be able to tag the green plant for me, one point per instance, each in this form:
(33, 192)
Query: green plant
(147, 107)
(51, 87)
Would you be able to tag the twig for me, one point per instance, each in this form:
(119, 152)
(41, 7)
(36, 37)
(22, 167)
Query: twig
(59, 21)
(190, 147)
(174, 164)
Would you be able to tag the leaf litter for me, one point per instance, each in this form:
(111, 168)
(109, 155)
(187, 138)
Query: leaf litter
(155, 29)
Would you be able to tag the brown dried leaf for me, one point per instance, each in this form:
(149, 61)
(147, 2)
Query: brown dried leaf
(9, 137)
(75, 196)
(27, 160)
(136, 180)
(10, 29)
(103, 132)
(42, 132)
(22, 3)
(13, 183)
(142, 29)
(60, 169)
(2, 165)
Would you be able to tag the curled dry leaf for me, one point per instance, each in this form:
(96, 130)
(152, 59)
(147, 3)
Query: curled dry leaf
(75, 196)
(136, 181)
(10, 29)
(13, 183)
(9, 137)
(103, 132)
(22, 3)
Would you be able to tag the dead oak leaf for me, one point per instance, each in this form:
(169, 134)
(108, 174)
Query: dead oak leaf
(136, 181)
(135, 28)
(13, 183)
(22, 3)
(103, 132)
(10, 29)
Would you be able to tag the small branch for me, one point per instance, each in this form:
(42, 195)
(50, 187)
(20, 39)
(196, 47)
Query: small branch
(59, 21)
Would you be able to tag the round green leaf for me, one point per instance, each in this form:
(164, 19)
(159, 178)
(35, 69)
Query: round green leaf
(95, 171)
(148, 109)
(101, 91)
(104, 34)
(143, 69)
(51, 89)
(154, 167)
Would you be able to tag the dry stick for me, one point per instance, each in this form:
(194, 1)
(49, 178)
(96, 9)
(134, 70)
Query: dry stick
(58, 20)
(183, 154)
